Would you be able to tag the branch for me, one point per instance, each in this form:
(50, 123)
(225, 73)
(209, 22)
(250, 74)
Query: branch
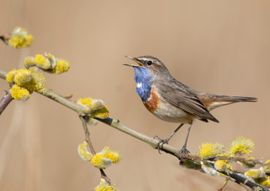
(82, 111)
(148, 140)
(3, 75)
(63, 101)
(4, 39)
(6, 99)
(84, 120)
(115, 124)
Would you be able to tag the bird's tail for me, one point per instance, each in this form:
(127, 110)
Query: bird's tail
(212, 101)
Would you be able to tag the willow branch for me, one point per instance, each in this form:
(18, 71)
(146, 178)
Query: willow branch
(6, 99)
(3, 74)
(111, 122)
(84, 120)
(87, 135)
(116, 124)
(63, 101)
(224, 185)
(4, 39)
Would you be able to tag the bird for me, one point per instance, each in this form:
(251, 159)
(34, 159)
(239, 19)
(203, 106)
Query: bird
(173, 101)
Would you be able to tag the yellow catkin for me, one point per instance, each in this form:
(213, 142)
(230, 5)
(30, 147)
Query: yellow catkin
(19, 93)
(20, 38)
(255, 173)
(47, 62)
(266, 166)
(83, 151)
(266, 182)
(105, 158)
(104, 186)
(98, 109)
(30, 79)
(61, 66)
(10, 76)
(22, 77)
(209, 150)
(99, 161)
(242, 146)
(42, 62)
(85, 101)
(222, 165)
(112, 155)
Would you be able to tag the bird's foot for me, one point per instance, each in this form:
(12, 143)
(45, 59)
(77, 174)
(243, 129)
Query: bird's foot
(161, 143)
(184, 150)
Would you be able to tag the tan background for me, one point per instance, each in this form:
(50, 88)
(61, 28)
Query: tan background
(214, 46)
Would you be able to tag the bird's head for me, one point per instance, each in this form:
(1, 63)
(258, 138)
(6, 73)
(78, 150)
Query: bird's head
(148, 63)
(147, 69)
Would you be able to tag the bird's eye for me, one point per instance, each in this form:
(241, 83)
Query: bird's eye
(149, 62)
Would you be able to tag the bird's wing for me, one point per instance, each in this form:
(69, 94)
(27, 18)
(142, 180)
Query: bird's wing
(181, 96)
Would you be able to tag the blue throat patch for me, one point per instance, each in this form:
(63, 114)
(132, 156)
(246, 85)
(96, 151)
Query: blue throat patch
(143, 78)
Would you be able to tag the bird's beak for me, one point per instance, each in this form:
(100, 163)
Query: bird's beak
(136, 63)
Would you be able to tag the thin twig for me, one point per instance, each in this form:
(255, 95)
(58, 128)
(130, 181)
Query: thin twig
(4, 39)
(87, 134)
(224, 184)
(84, 120)
(3, 75)
(6, 99)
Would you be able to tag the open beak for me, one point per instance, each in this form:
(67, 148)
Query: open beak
(136, 63)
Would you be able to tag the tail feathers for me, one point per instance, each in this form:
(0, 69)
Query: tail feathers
(214, 101)
(212, 118)
(234, 99)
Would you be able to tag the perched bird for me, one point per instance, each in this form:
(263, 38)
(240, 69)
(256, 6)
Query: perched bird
(173, 101)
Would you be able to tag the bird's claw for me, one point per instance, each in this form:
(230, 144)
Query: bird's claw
(160, 143)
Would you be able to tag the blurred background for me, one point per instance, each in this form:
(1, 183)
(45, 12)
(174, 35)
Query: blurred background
(214, 46)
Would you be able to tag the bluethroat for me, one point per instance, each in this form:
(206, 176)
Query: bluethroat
(173, 101)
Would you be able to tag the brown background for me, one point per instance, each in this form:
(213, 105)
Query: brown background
(213, 46)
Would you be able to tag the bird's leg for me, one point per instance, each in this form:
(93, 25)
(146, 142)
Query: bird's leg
(184, 147)
(173, 133)
(166, 141)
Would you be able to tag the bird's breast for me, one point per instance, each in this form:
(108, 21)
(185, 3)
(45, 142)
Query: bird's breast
(157, 105)
(152, 103)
